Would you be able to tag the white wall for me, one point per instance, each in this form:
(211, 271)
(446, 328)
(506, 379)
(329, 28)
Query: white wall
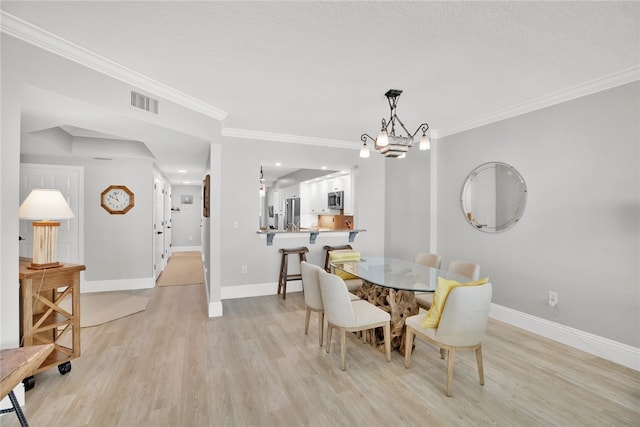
(10, 201)
(580, 232)
(408, 204)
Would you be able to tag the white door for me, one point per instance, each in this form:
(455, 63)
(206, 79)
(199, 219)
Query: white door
(158, 228)
(67, 179)
(167, 222)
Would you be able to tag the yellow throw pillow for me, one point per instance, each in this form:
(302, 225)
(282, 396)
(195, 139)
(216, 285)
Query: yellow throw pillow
(345, 255)
(344, 274)
(432, 319)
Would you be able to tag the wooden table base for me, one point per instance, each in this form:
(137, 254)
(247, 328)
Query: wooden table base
(399, 304)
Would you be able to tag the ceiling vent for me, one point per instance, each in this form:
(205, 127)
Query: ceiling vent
(144, 102)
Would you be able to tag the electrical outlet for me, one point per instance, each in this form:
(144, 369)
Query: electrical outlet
(244, 269)
(553, 298)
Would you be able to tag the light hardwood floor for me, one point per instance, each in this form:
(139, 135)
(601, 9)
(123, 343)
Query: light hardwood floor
(171, 365)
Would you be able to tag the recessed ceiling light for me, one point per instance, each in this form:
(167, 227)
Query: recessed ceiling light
(278, 164)
(182, 171)
(323, 168)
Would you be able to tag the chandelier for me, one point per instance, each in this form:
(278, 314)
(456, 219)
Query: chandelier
(388, 143)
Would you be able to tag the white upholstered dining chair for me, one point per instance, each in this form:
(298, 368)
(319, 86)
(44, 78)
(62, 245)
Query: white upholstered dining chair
(350, 316)
(463, 268)
(462, 326)
(313, 296)
(430, 260)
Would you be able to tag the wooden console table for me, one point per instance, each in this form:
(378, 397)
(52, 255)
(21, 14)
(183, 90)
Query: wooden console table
(15, 365)
(44, 321)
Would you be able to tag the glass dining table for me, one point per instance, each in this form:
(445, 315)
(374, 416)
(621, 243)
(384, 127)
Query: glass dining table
(390, 284)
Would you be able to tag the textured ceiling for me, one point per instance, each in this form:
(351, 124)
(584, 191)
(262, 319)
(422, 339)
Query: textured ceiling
(320, 69)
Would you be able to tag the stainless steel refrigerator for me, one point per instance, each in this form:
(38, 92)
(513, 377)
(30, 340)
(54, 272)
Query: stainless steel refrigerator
(292, 214)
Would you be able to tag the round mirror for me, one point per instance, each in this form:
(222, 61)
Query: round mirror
(493, 197)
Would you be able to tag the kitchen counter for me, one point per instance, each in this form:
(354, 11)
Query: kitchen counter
(313, 233)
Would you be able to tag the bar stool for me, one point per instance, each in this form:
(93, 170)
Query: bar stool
(284, 264)
(328, 249)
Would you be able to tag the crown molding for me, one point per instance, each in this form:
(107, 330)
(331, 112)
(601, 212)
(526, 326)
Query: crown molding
(27, 32)
(291, 139)
(607, 82)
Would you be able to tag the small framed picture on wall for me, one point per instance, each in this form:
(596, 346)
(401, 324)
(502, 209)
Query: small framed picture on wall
(205, 197)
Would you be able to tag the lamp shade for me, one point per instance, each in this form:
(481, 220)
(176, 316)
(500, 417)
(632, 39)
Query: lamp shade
(45, 204)
(364, 151)
(383, 139)
(425, 143)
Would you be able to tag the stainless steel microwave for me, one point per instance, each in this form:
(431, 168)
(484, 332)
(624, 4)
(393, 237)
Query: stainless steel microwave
(335, 200)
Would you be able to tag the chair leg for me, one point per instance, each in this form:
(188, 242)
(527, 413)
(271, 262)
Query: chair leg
(443, 353)
(329, 329)
(452, 355)
(343, 347)
(320, 327)
(387, 340)
(480, 367)
(284, 278)
(306, 321)
(408, 344)
(280, 275)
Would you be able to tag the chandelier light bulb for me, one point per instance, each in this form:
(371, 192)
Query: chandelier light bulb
(364, 151)
(425, 143)
(383, 139)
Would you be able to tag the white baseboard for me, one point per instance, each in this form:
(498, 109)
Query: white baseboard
(185, 249)
(117, 285)
(257, 290)
(215, 308)
(605, 348)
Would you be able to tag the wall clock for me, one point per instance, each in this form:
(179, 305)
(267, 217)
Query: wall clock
(117, 199)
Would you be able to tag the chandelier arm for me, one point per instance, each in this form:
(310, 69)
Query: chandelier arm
(364, 137)
(403, 126)
(423, 126)
(393, 103)
(386, 123)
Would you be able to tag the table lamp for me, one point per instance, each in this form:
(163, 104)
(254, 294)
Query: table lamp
(44, 205)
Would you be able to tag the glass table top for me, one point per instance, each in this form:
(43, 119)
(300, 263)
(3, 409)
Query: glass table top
(397, 273)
